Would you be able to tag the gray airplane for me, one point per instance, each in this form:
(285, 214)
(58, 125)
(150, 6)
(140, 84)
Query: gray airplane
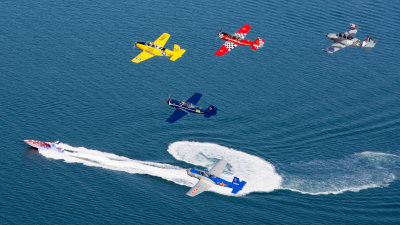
(347, 39)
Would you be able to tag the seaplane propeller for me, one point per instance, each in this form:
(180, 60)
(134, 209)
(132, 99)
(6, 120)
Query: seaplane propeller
(220, 30)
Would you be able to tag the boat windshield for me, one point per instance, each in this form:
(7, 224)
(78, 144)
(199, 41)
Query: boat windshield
(46, 145)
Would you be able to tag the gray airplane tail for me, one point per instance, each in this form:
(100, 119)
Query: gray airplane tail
(369, 43)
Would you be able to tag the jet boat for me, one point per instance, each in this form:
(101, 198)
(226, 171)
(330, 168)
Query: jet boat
(41, 145)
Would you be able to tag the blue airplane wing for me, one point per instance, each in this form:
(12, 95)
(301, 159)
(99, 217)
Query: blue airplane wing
(176, 116)
(194, 99)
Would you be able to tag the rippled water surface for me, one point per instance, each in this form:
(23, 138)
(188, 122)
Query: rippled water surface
(316, 136)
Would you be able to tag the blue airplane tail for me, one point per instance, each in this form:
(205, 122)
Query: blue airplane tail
(210, 111)
(237, 185)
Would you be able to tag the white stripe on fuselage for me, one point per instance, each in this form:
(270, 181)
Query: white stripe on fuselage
(186, 108)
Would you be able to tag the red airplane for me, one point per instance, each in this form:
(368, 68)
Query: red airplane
(233, 40)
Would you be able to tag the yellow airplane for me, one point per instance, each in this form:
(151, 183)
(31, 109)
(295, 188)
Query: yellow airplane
(151, 49)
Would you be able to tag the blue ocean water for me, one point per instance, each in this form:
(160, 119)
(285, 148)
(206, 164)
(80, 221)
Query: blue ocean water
(315, 135)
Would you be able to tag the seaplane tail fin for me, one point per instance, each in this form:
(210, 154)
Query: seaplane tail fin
(177, 53)
(210, 111)
(258, 43)
(237, 185)
(369, 43)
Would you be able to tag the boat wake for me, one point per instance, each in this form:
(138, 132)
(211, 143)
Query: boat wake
(360, 171)
(354, 173)
(259, 174)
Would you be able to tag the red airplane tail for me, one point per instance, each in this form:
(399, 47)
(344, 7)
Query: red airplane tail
(258, 43)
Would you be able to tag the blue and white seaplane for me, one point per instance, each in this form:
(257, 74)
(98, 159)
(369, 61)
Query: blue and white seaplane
(208, 179)
(184, 108)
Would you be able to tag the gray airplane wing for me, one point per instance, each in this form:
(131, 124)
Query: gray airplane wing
(335, 47)
(200, 187)
(217, 169)
(352, 31)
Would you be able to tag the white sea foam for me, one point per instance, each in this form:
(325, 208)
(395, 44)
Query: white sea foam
(354, 173)
(259, 174)
(111, 161)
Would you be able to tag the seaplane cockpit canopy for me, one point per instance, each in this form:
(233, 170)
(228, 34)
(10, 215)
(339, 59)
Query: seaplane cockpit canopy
(151, 44)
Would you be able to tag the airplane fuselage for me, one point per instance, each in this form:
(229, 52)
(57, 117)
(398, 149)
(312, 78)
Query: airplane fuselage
(201, 175)
(154, 50)
(345, 40)
(187, 107)
(228, 37)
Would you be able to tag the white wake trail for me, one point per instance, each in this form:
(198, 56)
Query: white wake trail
(111, 161)
(353, 173)
(259, 174)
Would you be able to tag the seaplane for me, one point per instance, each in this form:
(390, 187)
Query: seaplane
(184, 108)
(233, 40)
(211, 178)
(156, 48)
(41, 145)
(346, 39)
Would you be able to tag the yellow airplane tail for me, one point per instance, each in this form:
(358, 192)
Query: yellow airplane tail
(177, 53)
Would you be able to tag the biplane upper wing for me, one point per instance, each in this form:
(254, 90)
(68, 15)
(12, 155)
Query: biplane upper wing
(142, 56)
(162, 40)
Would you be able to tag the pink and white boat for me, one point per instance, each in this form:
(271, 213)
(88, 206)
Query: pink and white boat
(41, 145)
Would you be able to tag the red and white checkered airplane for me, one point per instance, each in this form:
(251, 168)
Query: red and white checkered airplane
(233, 40)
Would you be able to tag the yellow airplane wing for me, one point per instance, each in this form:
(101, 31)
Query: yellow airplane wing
(141, 57)
(162, 40)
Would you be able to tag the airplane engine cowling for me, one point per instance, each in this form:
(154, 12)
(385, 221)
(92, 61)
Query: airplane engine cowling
(331, 36)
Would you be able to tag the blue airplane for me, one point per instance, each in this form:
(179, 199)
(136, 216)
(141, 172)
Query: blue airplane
(208, 179)
(184, 108)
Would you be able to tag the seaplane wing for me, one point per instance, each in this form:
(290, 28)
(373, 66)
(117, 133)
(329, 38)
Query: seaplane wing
(142, 56)
(335, 47)
(200, 187)
(176, 115)
(242, 32)
(162, 40)
(194, 99)
(217, 169)
(226, 47)
(352, 31)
